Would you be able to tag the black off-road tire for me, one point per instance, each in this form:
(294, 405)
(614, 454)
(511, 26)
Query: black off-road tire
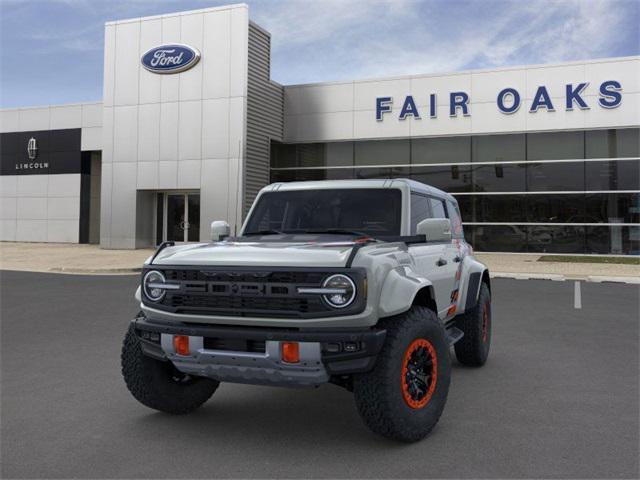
(380, 395)
(159, 385)
(473, 348)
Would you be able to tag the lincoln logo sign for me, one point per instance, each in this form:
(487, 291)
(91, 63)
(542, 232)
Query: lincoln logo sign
(172, 58)
(508, 101)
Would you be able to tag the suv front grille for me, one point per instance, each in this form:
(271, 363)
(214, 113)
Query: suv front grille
(252, 293)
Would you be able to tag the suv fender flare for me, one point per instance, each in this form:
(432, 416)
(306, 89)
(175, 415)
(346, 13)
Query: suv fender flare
(399, 290)
(473, 274)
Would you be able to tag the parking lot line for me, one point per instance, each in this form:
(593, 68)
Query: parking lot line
(577, 295)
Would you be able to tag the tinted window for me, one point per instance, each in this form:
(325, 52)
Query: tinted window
(555, 208)
(365, 173)
(499, 178)
(437, 208)
(373, 211)
(555, 145)
(613, 143)
(614, 175)
(382, 152)
(450, 178)
(441, 150)
(420, 209)
(498, 208)
(499, 148)
(613, 208)
(544, 177)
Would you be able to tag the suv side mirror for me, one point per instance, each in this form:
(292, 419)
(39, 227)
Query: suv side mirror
(219, 230)
(435, 229)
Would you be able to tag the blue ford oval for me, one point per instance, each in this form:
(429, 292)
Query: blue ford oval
(173, 58)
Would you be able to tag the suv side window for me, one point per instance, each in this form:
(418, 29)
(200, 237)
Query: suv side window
(437, 208)
(420, 209)
(456, 219)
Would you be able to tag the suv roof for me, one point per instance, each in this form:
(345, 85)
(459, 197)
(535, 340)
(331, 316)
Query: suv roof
(374, 183)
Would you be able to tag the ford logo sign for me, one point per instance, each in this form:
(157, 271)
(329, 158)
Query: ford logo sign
(172, 58)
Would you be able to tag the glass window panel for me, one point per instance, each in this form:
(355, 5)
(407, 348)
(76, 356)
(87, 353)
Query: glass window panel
(310, 155)
(555, 208)
(499, 148)
(556, 239)
(382, 152)
(624, 142)
(613, 240)
(194, 217)
(364, 173)
(543, 177)
(437, 208)
(613, 175)
(499, 178)
(441, 150)
(555, 145)
(297, 175)
(339, 174)
(498, 238)
(465, 204)
(498, 208)
(283, 155)
(450, 178)
(613, 208)
(339, 154)
(420, 209)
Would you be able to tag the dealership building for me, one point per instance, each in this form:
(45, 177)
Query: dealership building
(542, 158)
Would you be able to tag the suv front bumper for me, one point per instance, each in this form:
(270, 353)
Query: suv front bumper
(222, 352)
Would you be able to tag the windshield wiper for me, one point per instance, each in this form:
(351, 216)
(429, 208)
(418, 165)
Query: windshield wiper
(263, 232)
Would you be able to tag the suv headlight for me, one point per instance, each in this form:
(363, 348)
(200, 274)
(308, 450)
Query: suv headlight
(151, 285)
(342, 291)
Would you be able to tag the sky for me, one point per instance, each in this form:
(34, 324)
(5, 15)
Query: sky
(51, 51)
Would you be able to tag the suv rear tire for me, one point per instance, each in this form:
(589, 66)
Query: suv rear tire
(403, 397)
(473, 348)
(159, 385)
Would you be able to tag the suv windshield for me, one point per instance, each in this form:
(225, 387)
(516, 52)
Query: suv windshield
(373, 212)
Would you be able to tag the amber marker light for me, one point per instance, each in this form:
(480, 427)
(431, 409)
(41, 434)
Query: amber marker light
(181, 344)
(290, 352)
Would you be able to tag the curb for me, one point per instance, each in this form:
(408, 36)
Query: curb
(562, 278)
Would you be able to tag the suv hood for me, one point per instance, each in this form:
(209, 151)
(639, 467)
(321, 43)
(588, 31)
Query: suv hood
(258, 254)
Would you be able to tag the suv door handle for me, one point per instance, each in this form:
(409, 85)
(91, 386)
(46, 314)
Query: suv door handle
(441, 262)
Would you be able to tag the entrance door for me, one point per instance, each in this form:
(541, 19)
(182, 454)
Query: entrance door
(182, 218)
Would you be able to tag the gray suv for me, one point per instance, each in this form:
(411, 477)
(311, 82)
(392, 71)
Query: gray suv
(365, 284)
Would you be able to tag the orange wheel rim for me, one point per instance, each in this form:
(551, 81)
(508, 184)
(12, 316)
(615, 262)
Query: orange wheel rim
(419, 373)
(485, 322)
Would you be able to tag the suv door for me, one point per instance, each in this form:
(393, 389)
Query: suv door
(433, 260)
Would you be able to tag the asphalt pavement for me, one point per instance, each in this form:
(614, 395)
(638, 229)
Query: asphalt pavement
(559, 397)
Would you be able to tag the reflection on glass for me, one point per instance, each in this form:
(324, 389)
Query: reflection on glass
(382, 152)
(543, 177)
(613, 175)
(556, 239)
(499, 178)
(613, 207)
(441, 150)
(556, 208)
(613, 240)
(175, 218)
(194, 217)
(555, 145)
(499, 148)
(453, 178)
(612, 143)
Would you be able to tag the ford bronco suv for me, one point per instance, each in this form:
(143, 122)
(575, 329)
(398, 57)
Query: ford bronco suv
(361, 283)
